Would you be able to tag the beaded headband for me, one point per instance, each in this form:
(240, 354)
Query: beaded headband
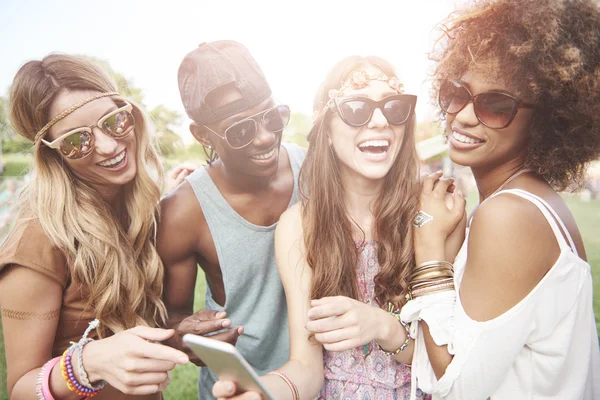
(68, 111)
(359, 79)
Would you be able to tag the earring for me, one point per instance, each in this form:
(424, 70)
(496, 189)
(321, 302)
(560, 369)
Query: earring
(211, 155)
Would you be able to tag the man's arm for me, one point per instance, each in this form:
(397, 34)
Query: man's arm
(177, 243)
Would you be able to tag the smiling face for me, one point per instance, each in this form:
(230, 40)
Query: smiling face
(112, 162)
(368, 151)
(475, 145)
(260, 158)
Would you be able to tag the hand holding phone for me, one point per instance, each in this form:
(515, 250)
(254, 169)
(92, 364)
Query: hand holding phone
(226, 362)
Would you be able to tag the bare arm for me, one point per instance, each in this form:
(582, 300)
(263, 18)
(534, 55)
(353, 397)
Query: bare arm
(510, 250)
(30, 319)
(177, 238)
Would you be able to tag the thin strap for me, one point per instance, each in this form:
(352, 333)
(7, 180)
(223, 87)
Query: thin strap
(556, 217)
(550, 216)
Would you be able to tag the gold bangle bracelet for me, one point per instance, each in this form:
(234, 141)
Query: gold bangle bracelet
(431, 284)
(433, 289)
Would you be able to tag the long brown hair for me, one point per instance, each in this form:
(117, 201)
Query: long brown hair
(331, 249)
(111, 258)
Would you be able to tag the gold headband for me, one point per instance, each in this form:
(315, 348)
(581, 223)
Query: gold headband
(359, 79)
(68, 111)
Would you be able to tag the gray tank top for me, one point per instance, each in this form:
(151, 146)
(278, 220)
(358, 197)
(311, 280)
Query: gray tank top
(254, 295)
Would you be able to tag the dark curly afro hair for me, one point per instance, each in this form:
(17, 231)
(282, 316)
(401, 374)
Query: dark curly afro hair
(547, 51)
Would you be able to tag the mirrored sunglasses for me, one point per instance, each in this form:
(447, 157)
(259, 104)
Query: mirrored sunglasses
(79, 142)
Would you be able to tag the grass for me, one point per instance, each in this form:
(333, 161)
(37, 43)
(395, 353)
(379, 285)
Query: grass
(184, 385)
(185, 377)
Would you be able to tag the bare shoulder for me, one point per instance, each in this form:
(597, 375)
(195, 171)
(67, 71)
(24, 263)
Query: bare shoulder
(181, 218)
(511, 247)
(516, 226)
(180, 207)
(291, 218)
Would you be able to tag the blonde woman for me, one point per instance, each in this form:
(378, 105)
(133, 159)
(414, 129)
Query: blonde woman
(83, 245)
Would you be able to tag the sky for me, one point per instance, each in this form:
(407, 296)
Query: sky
(295, 42)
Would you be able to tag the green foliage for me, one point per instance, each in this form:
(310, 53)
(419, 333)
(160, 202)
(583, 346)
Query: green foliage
(16, 165)
(125, 85)
(11, 142)
(164, 121)
(15, 144)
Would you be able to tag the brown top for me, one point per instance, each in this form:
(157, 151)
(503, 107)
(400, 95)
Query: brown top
(29, 247)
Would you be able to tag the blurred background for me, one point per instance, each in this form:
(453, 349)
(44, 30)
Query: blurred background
(295, 42)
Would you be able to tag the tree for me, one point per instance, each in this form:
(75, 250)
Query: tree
(164, 120)
(10, 141)
(125, 86)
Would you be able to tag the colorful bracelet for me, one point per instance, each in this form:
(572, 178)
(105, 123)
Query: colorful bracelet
(288, 381)
(74, 386)
(83, 376)
(395, 312)
(85, 389)
(42, 384)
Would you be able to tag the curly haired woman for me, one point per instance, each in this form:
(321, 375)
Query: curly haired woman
(82, 247)
(519, 82)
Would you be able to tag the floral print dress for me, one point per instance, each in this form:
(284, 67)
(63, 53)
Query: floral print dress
(375, 376)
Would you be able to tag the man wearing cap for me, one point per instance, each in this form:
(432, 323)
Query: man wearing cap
(223, 216)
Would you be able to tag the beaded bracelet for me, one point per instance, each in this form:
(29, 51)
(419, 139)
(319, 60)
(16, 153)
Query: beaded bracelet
(84, 389)
(395, 312)
(42, 385)
(69, 376)
(288, 381)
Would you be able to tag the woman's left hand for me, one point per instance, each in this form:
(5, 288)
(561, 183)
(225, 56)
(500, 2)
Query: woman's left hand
(447, 208)
(341, 323)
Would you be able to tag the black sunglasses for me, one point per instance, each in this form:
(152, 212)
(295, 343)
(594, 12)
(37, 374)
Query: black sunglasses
(357, 111)
(241, 133)
(493, 109)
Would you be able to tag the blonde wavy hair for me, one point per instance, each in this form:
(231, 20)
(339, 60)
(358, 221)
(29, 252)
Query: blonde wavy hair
(111, 257)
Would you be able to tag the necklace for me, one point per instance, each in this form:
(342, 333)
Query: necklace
(509, 180)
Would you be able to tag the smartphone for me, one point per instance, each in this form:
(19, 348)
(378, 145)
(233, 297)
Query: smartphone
(226, 362)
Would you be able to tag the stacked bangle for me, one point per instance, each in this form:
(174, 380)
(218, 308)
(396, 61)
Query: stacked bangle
(430, 277)
(395, 312)
(288, 381)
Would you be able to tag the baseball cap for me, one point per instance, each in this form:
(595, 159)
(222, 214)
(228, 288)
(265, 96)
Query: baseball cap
(213, 65)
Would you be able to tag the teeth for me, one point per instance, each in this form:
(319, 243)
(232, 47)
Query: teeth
(265, 156)
(375, 143)
(465, 139)
(114, 160)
